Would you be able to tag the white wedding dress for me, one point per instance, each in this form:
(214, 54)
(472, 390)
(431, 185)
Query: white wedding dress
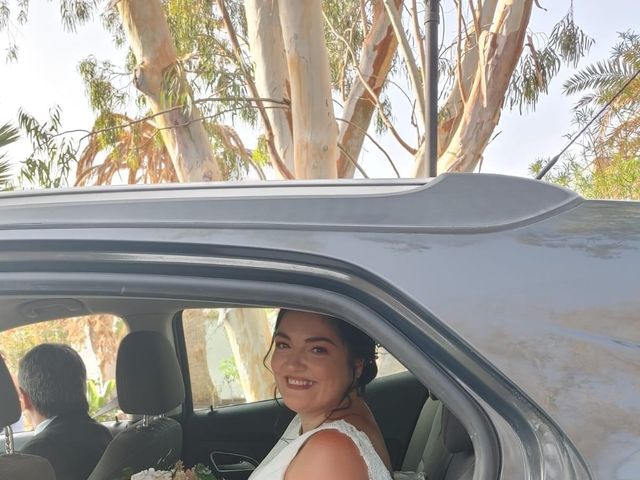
(274, 466)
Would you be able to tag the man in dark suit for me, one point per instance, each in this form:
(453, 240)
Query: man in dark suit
(52, 381)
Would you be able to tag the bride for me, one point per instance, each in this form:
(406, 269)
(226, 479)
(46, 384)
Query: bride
(321, 366)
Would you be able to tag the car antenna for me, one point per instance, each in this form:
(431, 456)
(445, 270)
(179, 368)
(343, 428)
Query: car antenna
(555, 159)
(432, 19)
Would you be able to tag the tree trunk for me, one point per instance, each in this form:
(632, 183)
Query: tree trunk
(376, 57)
(104, 343)
(499, 50)
(315, 133)
(249, 337)
(203, 391)
(270, 69)
(453, 108)
(183, 133)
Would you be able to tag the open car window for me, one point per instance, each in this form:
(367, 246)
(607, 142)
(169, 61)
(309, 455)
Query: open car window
(225, 353)
(95, 337)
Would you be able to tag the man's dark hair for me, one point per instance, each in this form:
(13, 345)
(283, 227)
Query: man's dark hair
(55, 378)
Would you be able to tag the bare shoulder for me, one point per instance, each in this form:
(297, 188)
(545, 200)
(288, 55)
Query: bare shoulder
(328, 454)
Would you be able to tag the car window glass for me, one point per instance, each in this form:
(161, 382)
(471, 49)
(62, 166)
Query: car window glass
(95, 337)
(225, 353)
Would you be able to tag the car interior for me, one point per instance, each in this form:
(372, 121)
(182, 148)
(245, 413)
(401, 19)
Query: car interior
(154, 390)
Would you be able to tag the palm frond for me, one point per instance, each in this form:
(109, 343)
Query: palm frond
(607, 76)
(8, 135)
(5, 174)
(603, 75)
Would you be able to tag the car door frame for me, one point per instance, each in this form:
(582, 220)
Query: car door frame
(475, 392)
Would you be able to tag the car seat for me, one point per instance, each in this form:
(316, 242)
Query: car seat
(446, 451)
(149, 383)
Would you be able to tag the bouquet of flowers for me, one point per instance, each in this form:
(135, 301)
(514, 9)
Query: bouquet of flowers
(199, 472)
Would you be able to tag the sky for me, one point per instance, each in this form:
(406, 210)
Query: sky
(46, 74)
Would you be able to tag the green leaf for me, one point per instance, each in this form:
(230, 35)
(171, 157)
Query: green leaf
(540, 63)
(8, 135)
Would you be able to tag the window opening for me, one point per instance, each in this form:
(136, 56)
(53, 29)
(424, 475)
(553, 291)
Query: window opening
(225, 352)
(95, 337)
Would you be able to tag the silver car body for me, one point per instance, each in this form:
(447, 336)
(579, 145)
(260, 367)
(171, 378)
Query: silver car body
(540, 285)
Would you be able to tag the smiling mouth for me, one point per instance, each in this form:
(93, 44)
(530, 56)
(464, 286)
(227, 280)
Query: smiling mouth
(299, 382)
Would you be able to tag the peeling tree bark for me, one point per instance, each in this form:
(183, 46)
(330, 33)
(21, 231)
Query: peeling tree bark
(315, 132)
(453, 108)
(184, 135)
(499, 49)
(248, 334)
(377, 53)
(203, 391)
(270, 68)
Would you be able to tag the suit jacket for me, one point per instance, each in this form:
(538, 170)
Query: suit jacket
(73, 443)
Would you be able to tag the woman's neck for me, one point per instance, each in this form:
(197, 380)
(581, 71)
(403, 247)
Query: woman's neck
(309, 422)
(312, 420)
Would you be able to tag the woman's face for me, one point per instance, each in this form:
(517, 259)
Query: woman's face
(310, 364)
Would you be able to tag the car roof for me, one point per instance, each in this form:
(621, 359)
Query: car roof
(451, 202)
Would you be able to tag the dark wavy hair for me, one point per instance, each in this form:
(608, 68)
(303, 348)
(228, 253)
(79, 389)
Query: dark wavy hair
(359, 347)
(55, 378)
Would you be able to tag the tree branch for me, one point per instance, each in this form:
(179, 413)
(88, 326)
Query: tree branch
(355, 164)
(405, 50)
(374, 96)
(418, 37)
(363, 18)
(373, 140)
(273, 152)
(270, 70)
(232, 141)
(460, 81)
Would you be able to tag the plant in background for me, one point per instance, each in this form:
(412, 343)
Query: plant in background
(8, 135)
(16, 342)
(98, 395)
(54, 156)
(229, 372)
(607, 162)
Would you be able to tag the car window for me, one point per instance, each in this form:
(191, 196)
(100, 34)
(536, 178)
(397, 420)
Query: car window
(225, 353)
(95, 337)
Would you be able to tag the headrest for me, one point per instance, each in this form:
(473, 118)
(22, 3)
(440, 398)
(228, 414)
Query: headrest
(148, 377)
(10, 410)
(454, 435)
(19, 466)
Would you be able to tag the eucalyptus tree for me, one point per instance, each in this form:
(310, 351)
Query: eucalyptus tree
(289, 60)
(318, 79)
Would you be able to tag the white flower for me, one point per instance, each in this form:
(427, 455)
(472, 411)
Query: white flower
(152, 474)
